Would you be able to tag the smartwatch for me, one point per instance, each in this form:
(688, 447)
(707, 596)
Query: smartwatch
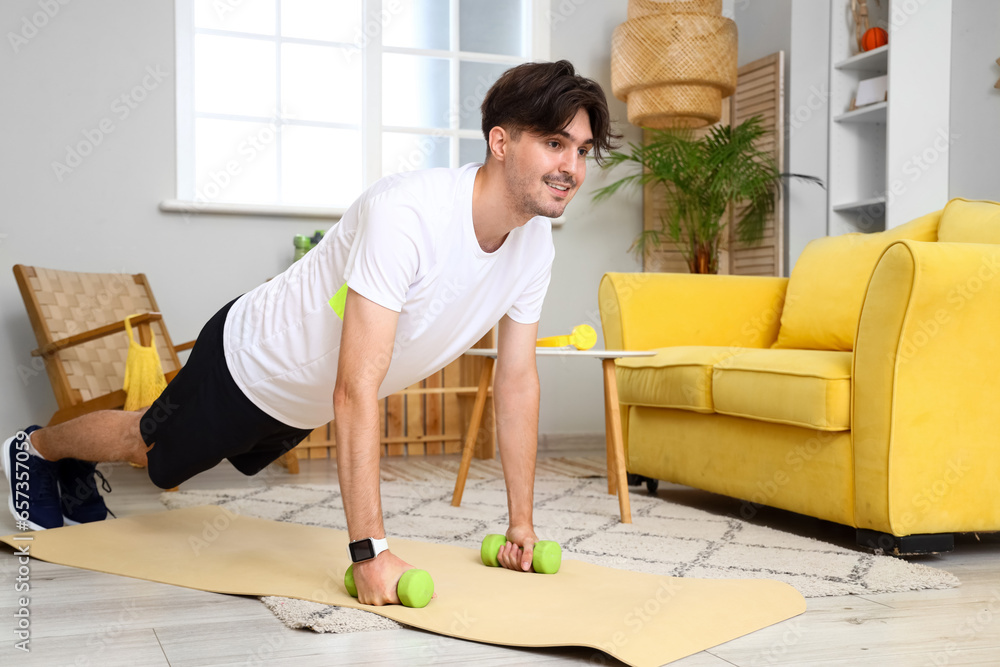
(366, 549)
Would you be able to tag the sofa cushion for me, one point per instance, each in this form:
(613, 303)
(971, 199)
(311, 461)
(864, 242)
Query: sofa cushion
(968, 221)
(827, 286)
(809, 388)
(676, 377)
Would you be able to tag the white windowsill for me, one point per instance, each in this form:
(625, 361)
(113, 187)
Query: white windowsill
(262, 210)
(269, 211)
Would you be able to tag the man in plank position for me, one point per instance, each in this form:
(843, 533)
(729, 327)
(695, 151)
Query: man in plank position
(419, 268)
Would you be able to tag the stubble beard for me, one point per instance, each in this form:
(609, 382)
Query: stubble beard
(523, 198)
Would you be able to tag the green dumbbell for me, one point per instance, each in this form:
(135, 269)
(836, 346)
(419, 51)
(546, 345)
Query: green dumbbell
(415, 588)
(546, 556)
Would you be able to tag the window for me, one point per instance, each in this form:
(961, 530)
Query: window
(304, 103)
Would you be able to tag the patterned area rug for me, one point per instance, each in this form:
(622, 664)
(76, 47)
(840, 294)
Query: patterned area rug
(665, 538)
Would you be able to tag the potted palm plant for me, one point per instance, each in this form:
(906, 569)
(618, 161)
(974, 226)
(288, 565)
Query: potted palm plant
(703, 175)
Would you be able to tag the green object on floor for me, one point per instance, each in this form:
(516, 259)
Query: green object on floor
(415, 588)
(545, 559)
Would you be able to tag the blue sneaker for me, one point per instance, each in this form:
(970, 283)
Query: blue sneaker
(80, 499)
(34, 486)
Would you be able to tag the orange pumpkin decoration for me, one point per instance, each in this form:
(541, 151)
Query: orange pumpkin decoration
(874, 38)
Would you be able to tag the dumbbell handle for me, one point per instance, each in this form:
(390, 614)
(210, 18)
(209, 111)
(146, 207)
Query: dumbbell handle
(414, 589)
(546, 555)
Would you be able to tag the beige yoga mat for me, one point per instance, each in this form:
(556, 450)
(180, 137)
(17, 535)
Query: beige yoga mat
(641, 619)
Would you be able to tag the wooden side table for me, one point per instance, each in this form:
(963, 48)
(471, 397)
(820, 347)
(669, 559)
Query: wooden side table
(612, 417)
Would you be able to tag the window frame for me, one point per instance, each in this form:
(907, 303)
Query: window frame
(536, 36)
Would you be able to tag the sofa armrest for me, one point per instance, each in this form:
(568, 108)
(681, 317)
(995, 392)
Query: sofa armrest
(642, 311)
(925, 422)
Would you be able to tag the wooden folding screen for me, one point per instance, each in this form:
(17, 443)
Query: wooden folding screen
(760, 92)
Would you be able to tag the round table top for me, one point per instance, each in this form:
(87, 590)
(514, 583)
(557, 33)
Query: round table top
(568, 352)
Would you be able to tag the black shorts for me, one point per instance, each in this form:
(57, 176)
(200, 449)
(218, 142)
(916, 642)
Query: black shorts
(203, 417)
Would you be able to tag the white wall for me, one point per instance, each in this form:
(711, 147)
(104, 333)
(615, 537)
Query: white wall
(807, 95)
(795, 27)
(918, 118)
(103, 215)
(975, 103)
(764, 27)
(595, 238)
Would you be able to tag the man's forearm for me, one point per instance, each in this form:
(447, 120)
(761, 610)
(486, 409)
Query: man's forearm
(357, 427)
(516, 403)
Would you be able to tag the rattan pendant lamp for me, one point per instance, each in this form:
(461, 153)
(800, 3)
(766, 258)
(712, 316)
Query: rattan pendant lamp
(673, 61)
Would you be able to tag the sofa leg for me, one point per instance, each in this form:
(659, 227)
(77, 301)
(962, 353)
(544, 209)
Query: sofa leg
(638, 480)
(907, 545)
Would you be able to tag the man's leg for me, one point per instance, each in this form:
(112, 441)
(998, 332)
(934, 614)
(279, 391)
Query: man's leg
(59, 486)
(105, 435)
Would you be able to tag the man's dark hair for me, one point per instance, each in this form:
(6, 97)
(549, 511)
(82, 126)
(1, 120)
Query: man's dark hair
(543, 98)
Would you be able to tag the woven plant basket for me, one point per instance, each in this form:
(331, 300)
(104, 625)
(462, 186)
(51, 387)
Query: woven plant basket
(672, 68)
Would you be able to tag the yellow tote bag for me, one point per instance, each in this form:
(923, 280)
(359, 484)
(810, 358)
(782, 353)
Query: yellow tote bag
(144, 380)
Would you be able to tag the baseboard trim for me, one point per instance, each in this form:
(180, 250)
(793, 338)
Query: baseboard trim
(577, 442)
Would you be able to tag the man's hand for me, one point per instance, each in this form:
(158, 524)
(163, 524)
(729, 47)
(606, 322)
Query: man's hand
(365, 350)
(515, 397)
(377, 578)
(516, 554)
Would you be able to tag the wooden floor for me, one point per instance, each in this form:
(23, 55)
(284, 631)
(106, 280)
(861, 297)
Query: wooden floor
(86, 618)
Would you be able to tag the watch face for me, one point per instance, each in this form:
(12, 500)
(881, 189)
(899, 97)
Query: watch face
(362, 550)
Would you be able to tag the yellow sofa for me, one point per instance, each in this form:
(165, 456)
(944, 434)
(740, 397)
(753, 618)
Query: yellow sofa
(864, 389)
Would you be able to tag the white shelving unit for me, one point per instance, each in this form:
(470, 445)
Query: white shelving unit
(872, 113)
(876, 60)
(884, 168)
(853, 207)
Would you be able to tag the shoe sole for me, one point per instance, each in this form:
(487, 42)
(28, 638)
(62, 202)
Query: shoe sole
(7, 445)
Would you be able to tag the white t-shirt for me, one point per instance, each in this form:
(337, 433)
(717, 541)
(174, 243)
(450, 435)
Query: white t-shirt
(408, 244)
